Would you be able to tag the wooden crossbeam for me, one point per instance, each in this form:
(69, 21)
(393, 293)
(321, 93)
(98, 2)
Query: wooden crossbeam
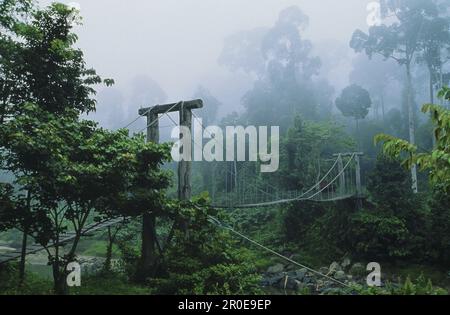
(173, 107)
(348, 154)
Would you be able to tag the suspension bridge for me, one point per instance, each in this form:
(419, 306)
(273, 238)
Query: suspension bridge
(248, 190)
(243, 186)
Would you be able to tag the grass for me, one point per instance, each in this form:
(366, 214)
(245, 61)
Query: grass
(100, 284)
(108, 285)
(436, 275)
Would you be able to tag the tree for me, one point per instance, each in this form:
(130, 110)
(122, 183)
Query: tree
(399, 41)
(355, 102)
(287, 87)
(437, 162)
(71, 171)
(77, 173)
(435, 40)
(40, 65)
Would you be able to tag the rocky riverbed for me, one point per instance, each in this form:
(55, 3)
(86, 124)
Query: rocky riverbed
(287, 278)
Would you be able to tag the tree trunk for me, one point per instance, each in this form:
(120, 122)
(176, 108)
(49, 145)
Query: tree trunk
(109, 248)
(59, 278)
(23, 256)
(148, 251)
(411, 125)
(383, 113)
(430, 70)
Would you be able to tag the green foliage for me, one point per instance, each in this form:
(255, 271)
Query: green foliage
(398, 225)
(439, 237)
(205, 261)
(39, 63)
(421, 286)
(379, 235)
(437, 162)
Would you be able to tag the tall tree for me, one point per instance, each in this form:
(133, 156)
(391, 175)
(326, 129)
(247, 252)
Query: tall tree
(355, 102)
(401, 42)
(286, 87)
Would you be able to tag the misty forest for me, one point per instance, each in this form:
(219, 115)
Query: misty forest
(92, 201)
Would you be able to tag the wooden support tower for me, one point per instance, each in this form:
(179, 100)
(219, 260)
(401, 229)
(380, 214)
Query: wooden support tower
(359, 192)
(149, 246)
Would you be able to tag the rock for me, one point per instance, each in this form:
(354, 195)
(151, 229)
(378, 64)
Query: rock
(290, 268)
(300, 274)
(276, 269)
(357, 270)
(340, 275)
(272, 281)
(334, 267)
(346, 263)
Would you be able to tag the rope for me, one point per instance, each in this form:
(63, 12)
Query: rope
(137, 118)
(157, 118)
(220, 224)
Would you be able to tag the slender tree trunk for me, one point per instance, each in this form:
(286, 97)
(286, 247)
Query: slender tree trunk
(383, 113)
(430, 70)
(148, 248)
(59, 277)
(411, 125)
(109, 248)
(148, 251)
(23, 254)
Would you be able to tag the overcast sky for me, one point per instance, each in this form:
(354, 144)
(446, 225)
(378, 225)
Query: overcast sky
(177, 42)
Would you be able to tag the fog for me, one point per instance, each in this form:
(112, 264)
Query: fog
(177, 43)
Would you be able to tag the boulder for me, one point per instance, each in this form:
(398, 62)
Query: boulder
(300, 274)
(272, 281)
(276, 268)
(334, 267)
(357, 269)
(340, 275)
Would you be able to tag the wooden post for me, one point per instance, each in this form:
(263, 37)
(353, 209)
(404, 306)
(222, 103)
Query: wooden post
(185, 167)
(148, 253)
(358, 182)
(342, 176)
